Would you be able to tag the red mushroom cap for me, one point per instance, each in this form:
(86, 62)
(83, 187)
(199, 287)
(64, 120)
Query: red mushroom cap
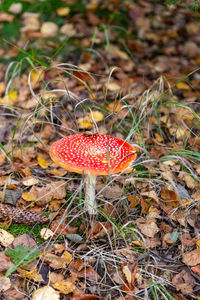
(97, 154)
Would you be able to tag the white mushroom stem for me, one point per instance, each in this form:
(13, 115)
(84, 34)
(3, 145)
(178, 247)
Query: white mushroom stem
(90, 203)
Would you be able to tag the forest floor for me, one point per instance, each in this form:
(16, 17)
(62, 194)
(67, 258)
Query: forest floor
(129, 70)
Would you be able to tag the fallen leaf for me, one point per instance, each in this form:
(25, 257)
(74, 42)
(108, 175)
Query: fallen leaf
(5, 283)
(56, 262)
(63, 11)
(15, 8)
(54, 277)
(84, 123)
(68, 29)
(46, 233)
(33, 274)
(6, 238)
(67, 257)
(113, 87)
(64, 286)
(170, 197)
(85, 297)
(28, 181)
(129, 271)
(43, 163)
(49, 29)
(99, 229)
(96, 116)
(81, 270)
(134, 200)
(192, 258)
(183, 86)
(186, 239)
(53, 190)
(5, 262)
(184, 282)
(29, 196)
(190, 182)
(151, 194)
(115, 106)
(45, 293)
(148, 228)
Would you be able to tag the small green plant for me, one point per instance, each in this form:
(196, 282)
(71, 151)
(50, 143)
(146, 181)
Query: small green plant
(21, 256)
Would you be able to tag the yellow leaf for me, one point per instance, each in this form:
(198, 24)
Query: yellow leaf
(63, 11)
(84, 123)
(33, 274)
(67, 257)
(11, 97)
(64, 286)
(158, 137)
(198, 243)
(29, 196)
(183, 86)
(114, 106)
(42, 162)
(37, 76)
(96, 116)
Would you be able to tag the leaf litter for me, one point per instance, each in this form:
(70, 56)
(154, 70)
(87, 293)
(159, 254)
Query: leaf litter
(102, 80)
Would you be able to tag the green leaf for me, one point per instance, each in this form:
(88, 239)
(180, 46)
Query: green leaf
(21, 256)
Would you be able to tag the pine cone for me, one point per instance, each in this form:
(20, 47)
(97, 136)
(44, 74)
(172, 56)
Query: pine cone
(21, 215)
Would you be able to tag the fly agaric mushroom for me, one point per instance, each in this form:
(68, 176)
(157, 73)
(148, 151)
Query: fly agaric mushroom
(92, 155)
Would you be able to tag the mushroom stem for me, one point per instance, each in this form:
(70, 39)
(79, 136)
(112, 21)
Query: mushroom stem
(90, 203)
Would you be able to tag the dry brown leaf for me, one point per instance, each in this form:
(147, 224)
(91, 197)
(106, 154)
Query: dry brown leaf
(57, 172)
(186, 239)
(134, 200)
(85, 297)
(184, 282)
(170, 197)
(62, 229)
(151, 194)
(129, 271)
(147, 227)
(81, 270)
(99, 229)
(5, 262)
(24, 240)
(192, 258)
(196, 269)
(190, 182)
(54, 190)
(56, 262)
(5, 283)
(45, 293)
(54, 277)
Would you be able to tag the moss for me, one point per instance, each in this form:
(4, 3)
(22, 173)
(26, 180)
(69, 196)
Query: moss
(19, 229)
